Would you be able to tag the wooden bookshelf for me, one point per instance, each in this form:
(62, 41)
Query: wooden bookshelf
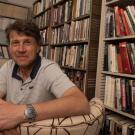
(9, 12)
(104, 57)
(68, 28)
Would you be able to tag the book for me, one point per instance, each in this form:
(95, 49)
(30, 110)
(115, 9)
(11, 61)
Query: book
(120, 31)
(125, 23)
(125, 57)
(123, 94)
(133, 95)
(118, 94)
(129, 22)
(5, 52)
(131, 18)
(110, 23)
(119, 61)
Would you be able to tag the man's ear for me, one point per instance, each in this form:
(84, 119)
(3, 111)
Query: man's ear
(38, 49)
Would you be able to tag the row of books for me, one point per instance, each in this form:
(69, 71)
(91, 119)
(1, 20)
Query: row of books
(118, 125)
(43, 20)
(77, 77)
(81, 7)
(120, 94)
(120, 22)
(72, 56)
(120, 57)
(77, 31)
(62, 13)
(4, 53)
(57, 15)
(40, 6)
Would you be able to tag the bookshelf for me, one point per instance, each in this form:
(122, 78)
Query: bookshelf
(115, 71)
(70, 31)
(9, 12)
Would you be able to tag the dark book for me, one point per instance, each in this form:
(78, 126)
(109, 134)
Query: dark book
(106, 58)
(123, 94)
(128, 96)
(133, 94)
(110, 23)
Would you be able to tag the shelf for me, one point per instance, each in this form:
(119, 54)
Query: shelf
(70, 43)
(81, 17)
(72, 68)
(1, 16)
(119, 74)
(120, 112)
(42, 12)
(114, 88)
(118, 39)
(44, 27)
(88, 24)
(57, 25)
(120, 3)
(59, 3)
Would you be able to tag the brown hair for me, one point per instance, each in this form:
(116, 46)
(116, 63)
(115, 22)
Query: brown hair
(24, 27)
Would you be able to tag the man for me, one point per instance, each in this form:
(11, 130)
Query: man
(33, 88)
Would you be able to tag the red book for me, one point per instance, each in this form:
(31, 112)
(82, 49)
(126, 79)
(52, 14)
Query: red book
(125, 58)
(125, 23)
(120, 67)
(120, 30)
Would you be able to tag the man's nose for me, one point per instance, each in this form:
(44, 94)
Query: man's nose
(22, 47)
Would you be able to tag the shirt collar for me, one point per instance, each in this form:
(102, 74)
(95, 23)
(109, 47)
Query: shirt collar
(33, 73)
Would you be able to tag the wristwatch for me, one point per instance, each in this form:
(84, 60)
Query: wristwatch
(30, 113)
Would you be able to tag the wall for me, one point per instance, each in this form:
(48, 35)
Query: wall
(27, 3)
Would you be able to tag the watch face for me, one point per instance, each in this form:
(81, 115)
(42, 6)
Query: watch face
(30, 113)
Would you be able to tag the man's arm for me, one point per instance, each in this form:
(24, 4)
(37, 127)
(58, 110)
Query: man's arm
(73, 102)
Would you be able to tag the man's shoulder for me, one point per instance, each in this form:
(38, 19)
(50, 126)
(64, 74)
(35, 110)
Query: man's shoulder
(46, 62)
(9, 63)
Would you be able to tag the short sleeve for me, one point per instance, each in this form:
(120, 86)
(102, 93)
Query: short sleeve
(59, 82)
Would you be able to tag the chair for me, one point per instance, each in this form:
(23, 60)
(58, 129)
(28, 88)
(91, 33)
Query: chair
(74, 125)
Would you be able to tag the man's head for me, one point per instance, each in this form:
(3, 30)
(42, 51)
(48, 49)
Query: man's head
(24, 42)
(24, 27)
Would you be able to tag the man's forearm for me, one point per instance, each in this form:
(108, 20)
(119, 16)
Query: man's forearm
(60, 108)
(72, 102)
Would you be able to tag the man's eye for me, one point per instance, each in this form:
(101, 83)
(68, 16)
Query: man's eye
(15, 43)
(27, 42)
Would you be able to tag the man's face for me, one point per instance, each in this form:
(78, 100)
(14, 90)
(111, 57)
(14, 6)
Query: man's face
(23, 49)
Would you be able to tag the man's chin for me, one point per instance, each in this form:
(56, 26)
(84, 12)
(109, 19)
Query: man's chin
(22, 64)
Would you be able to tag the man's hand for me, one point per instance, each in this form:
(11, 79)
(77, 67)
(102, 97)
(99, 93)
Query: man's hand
(10, 115)
(10, 132)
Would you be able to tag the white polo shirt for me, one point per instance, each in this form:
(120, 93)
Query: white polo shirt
(46, 82)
